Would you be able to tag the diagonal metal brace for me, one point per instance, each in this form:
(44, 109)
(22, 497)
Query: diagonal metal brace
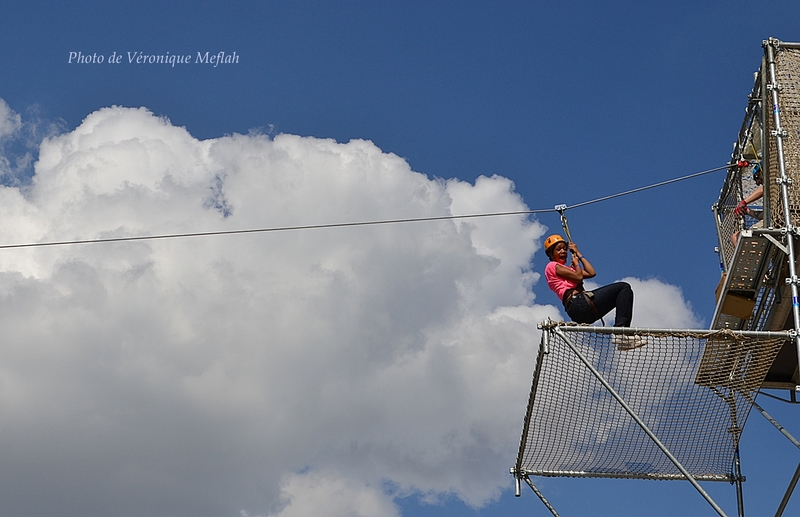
(793, 483)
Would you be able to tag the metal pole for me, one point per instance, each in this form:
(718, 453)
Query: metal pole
(786, 44)
(543, 350)
(762, 119)
(788, 494)
(723, 259)
(737, 464)
(734, 429)
(641, 423)
(779, 133)
(793, 483)
(541, 496)
(699, 333)
(774, 422)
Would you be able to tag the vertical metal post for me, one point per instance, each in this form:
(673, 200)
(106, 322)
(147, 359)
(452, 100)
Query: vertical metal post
(737, 471)
(784, 181)
(641, 423)
(517, 470)
(736, 431)
(765, 163)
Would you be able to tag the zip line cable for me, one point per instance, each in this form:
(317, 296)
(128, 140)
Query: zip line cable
(559, 208)
(265, 230)
(654, 185)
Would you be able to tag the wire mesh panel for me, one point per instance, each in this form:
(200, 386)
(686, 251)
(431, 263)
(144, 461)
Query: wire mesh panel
(738, 185)
(746, 159)
(692, 389)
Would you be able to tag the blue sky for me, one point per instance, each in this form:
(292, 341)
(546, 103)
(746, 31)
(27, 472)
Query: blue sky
(571, 101)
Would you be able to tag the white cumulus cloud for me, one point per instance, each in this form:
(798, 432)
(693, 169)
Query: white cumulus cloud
(328, 494)
(661, 305)
(285, 373)
(10, 122)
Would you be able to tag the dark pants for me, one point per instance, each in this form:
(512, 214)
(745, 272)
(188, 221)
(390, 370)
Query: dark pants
(618, 295)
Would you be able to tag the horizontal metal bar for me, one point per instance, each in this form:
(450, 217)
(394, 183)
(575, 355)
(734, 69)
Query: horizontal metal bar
(766, 231)
(686, 332)
(786, 44)
(621, 475)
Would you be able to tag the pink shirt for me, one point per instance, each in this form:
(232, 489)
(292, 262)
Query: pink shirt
(558, 284)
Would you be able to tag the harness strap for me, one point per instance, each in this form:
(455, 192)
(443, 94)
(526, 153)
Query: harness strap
(590, 299)
(588, 295)
(569, 293)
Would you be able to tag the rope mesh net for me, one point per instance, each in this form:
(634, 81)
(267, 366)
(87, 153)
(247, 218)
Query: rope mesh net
(693, 389)
(787, 63)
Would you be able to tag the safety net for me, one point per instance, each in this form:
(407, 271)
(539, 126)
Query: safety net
(692, 389)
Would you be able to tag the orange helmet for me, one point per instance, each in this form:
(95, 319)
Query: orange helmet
(552, 241)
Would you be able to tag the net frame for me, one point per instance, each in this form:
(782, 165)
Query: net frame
(625, 451)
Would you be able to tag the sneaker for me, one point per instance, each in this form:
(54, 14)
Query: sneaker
(626, 342)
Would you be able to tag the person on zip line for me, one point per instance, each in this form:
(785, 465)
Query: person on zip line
(587, 306)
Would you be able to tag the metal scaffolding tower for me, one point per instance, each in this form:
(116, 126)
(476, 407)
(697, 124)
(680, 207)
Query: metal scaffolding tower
(676, 407)
(759, 285)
